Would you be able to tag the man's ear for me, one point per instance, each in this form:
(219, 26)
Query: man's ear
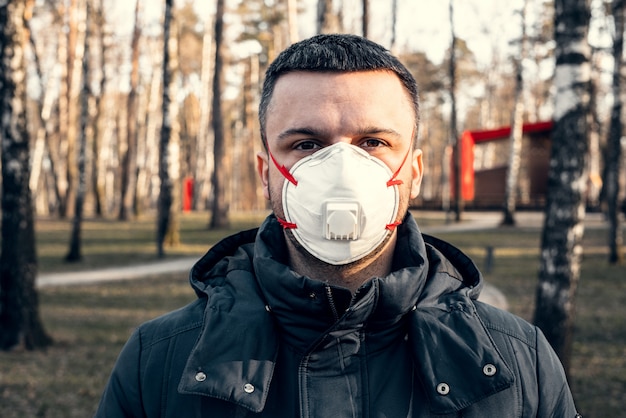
(263, 168)
(417, 168)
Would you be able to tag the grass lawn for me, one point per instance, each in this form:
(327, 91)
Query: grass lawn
(90, 323)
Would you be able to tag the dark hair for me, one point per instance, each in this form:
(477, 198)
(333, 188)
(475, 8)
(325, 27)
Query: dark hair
(335, 53)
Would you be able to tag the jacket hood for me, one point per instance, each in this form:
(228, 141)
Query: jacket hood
(237, 248)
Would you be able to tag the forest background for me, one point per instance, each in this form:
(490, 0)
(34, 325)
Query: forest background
(123, 109)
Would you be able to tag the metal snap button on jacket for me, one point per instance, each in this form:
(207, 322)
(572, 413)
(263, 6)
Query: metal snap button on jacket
(489, 369)
(443, 389)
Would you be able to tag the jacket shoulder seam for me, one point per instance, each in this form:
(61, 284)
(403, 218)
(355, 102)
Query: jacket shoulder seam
(170, 335)
(529, 338)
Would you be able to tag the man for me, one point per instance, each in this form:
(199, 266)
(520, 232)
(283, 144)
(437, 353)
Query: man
(337, 306)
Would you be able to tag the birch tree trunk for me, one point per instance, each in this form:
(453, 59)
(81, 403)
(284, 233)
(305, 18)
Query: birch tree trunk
(454, 135)
(365, 17)
(68, 113)
(202, 188)
(394, 26)
(327, 21)
(74, 253)
(129, 159)
(614, 147)
(20, 321)
(44, 110)
(219, 209)
(517, 128)
(561, 249)
(167, 210)
(97, 175)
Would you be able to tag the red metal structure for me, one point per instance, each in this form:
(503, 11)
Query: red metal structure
(484, 165)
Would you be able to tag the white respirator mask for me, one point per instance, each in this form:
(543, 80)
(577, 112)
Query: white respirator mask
(340, 203)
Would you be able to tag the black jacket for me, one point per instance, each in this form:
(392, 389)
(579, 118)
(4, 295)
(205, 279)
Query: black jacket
(263, 341)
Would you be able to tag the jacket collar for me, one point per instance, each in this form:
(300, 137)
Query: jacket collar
(450, 344)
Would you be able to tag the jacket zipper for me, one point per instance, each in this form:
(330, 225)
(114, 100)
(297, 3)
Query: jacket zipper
(331, 302)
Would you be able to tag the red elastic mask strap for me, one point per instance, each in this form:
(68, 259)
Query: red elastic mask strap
(283, 170)
(393, 181)
(285, 224)
(391, 227)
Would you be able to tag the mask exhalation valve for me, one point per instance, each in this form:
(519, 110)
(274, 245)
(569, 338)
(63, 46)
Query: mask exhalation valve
(341, 220)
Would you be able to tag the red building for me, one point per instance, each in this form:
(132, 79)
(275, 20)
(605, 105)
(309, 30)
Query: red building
(485, 160)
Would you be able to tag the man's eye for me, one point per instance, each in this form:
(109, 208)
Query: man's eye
(373, 143)
(307, 146)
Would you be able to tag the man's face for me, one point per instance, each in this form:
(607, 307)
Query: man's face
(309, 111)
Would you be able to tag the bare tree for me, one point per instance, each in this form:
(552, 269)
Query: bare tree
(68, 107)
(614, 147)
(517, 122)
(129, 159)
(365, 17)
(327, 21)
(204, 172)
(454, 135)
(561, 249)
(394, 25)
(167, 210)
(19, 307)
(97, 182)
(219, 212)
(74, 253)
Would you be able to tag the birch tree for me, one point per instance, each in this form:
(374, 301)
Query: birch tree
(74, 253)
(561, 249)
(454, 135)
(327, 21)
(365, 17)
(129, 159)
(20, 321)
(202, 187)
(394, 25)
(68, 107)
(219, 208)
(517, 122)
(614, 147)
(167, 210)
(97, 180)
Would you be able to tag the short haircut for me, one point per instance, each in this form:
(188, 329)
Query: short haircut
(335, 53)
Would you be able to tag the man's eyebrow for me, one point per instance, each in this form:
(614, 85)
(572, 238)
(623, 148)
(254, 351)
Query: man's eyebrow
(320, 133)
(304, 131)
(374, 130)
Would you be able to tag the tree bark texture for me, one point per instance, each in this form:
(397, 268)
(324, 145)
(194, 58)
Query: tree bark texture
(561, 249)
(454, 135)
(74, 253)
(97, 180)
(167, 221)
(516, 138)
(20, 322)
(365, 17)
(327, 20)
(129, 159)
(219, 211)
(614, 147)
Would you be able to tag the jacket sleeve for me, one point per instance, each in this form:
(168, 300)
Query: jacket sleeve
(122, 394)
(555, 397)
